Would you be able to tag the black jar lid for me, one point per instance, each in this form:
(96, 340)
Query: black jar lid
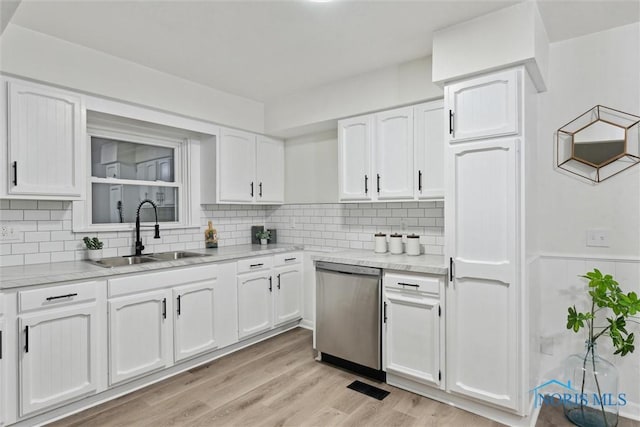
(381, 234)
(412, 236)
(396, 235)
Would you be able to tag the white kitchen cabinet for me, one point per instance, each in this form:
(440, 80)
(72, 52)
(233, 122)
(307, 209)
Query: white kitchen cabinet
(254, 303)
(481, 300)
(270, 170)
(393, 159)
(112, 170)
(46, 134)
(484, 106)
(354, 159)
(429, 147)
(236, 165)
(287, 295)
(58, 360)
(194, 329)
(140, 338)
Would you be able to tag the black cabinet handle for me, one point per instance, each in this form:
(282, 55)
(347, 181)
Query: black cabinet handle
(15, 173)
(450, 122)
(408, 284)
(419, 180)
(61, 296)
(451, 265)
(289, 259)
(378, 182)
(366, 184)
(26, 339)
(260, 186)
(270, 284)
(252, 189)
(384, 312)
(164, 308)
(256, 265)
(278, 281)
(179, 305)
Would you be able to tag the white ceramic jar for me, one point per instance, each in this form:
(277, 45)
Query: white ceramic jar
(413, 245)
(380, 243)
(395, 244)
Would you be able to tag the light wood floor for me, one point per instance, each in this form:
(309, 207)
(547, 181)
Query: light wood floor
(276, 383)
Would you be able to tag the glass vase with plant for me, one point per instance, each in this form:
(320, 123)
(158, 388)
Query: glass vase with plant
(597, 401)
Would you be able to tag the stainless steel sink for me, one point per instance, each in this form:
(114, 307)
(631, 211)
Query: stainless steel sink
(167, 256)
(120, 261)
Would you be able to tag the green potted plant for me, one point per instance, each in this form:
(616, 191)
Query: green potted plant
(94, 248)
(594, 379)
(264, 236)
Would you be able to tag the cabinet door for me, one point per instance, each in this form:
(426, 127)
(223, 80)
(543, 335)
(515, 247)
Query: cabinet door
(482, 321)
(163, 170)
(237, 166)
(354, 159)
(3, 350)
(483, 107)
(46, 136)
(270, 170)
(394, 154)
(112, 170)
(254, 303)
(429, 146)
(288, 294)
(58, 360)
(194, 328)
(412, 336)
(139, 335)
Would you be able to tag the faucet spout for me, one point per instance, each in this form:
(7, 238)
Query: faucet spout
(139, 245)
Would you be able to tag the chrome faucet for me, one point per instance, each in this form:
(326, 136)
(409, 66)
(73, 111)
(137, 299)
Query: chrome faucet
(139, 245)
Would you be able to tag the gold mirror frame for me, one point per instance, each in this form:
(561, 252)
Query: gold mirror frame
(618, 121)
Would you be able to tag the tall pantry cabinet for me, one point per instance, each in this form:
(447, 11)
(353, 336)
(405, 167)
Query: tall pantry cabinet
(490, 121)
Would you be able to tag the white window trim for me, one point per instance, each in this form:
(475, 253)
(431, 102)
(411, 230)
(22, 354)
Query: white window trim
(186, 163)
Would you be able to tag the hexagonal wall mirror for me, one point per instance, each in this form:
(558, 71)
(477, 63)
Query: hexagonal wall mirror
(599, 143)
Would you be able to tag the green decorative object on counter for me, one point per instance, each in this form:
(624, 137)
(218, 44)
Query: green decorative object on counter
(597, 402)
(264, 236)
(94, 248)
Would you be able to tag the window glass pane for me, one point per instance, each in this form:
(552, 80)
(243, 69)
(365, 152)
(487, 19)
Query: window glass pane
(117, 203)
(130, 160)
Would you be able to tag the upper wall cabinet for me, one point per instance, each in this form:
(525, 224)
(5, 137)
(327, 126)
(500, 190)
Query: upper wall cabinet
(250, 169)
(482, 107)
(392, 155)
(46, 139)
(354, 158)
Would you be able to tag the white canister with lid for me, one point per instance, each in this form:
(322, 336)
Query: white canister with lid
(380, 243)
(413, 245)
(395, 244)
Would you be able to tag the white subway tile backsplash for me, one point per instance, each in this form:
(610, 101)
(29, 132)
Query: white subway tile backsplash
(23, 204)
(24, 248)
(36, 215)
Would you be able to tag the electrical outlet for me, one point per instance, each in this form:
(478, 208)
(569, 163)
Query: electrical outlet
(8, 233)
(598, 238)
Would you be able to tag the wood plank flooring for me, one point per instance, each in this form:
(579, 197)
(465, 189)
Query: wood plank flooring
(276, 383)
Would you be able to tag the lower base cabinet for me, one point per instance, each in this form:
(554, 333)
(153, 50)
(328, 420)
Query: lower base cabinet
(194, 329)
(412, 328)
(254, 303)
(288, 294)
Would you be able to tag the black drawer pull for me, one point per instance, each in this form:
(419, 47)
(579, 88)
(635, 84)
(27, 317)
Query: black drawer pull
(251, 189)
(366, 184)
(408, 284)
(278, 281)
(61, 296)
(420, 181)
(26, 339)
(15, 173)
(256, 265)
(289, 259)
(384, 312)
(164, 308)
(450, 122)
(179, 305)
(260, 185)
(270, 284)
(378, 182)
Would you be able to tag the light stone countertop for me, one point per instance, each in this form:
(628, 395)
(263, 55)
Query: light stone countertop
(38, 274)
(429, 264)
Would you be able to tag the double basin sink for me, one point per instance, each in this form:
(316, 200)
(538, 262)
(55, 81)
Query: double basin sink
(142, 259)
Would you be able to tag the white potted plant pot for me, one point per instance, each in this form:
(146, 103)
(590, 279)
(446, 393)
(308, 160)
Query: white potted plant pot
(94, 254)
(263, 241)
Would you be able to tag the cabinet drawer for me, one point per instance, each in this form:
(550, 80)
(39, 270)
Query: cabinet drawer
(55, 296)
(286, 259)
(255, 264)
(420, 283)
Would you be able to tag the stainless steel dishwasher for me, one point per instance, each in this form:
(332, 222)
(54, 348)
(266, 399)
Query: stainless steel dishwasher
(348, 330)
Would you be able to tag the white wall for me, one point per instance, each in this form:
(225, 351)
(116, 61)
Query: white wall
(601, 68)
(400, 84)
(311, 168)
(38, 56)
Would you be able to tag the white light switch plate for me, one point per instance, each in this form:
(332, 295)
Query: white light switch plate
(598, 238)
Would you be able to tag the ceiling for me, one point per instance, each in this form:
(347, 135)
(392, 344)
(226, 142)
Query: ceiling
(263, 49)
